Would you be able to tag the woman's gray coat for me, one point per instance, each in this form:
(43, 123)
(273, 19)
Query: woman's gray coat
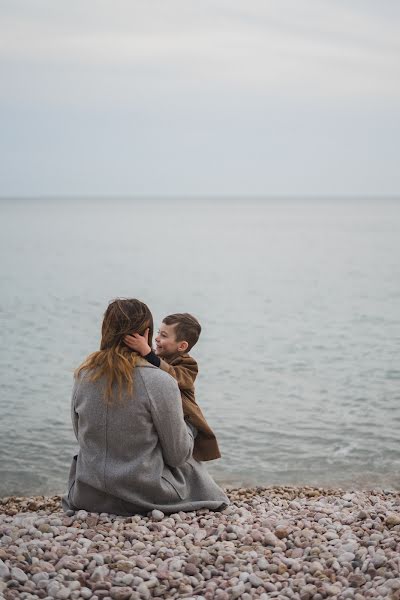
(135, 454)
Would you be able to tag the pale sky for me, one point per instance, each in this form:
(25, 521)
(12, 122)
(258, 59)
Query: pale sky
(185, 97)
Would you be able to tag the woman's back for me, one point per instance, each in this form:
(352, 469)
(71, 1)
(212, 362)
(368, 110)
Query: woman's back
(135, 451)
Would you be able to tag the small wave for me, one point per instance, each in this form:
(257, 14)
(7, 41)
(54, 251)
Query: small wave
(392, 374)
(343, 451)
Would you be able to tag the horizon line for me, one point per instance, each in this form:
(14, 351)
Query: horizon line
(310, 196)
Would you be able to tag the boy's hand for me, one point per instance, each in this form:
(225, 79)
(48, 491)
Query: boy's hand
(139, 343)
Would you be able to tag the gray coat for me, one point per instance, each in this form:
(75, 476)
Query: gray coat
(135, 454)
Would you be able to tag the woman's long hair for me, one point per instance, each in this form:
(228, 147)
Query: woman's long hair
(115, 361)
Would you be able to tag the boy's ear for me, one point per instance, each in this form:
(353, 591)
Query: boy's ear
(183, 346)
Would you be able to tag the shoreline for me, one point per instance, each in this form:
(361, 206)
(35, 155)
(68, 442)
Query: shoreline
(271, 542)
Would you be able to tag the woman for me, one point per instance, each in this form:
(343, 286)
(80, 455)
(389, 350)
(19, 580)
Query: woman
(135, 449)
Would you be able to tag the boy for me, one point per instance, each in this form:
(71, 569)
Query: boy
(177, 336)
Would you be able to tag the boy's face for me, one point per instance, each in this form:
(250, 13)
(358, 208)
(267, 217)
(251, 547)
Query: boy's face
(166, 342)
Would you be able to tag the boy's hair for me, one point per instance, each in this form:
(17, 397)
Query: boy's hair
(187, 328)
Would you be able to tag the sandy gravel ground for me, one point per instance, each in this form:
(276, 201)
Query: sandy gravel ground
(277, 542)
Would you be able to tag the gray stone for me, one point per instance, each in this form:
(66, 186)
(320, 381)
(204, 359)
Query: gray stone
(157, 515)
(43, 575)
(346, 557)
(82, 515)
(63, 593)
(332, 590)
(4, 570)
(19, 575)
(262, 564)
(53, 588)
(255, 580)
(378, 560)
(237, 590)
(99, 573)
(144, 591)
(270, 539)
(271, 568)
(5, 540)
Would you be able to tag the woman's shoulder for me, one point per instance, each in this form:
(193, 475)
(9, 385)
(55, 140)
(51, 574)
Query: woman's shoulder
(155, 376)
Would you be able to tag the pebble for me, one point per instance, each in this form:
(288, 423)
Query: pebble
(278, 542)
(237, 590)
(190, 569)
(41, 576)
(392, 520)
(81, 515)
(120, 593)
(270, 539)
(262, 564)
(144, 591)
(18, 575)
(378, 560)
(157, 515)
(346, 557)
(255, 580)
(4, 570)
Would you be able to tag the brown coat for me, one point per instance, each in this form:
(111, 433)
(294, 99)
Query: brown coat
(184, 369)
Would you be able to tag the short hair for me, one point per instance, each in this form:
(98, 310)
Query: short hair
(187, 328)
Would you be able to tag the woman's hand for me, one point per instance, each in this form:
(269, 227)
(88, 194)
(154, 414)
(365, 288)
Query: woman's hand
(139, 343)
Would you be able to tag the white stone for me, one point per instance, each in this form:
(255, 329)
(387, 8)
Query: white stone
(19, 575)
(255, 580)
(346, 557)
(144, 591)
(157, 515)
(81, 515)
(63, 593)
(98, 558)
(262, 564)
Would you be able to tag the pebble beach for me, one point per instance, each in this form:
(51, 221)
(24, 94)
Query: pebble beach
(272, 542)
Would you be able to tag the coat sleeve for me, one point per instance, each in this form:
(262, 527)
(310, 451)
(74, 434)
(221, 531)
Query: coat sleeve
(185, 373)
(166, 409)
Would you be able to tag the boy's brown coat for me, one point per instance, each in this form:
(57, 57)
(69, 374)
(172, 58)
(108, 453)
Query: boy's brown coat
(184, 369)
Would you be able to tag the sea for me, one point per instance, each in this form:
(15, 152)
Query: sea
(299, 302)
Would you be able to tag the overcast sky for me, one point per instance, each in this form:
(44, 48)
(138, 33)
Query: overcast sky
(199, 97)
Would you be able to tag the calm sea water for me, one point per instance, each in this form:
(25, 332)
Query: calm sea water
(300, 306)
